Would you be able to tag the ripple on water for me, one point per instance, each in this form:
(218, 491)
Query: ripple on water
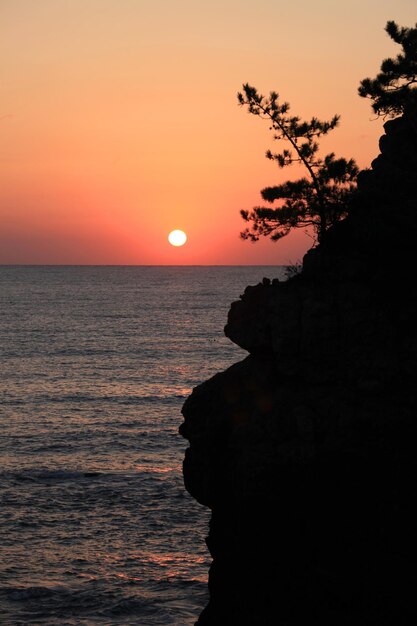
(95, 523)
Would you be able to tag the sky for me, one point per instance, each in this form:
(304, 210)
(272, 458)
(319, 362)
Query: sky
(119, 120)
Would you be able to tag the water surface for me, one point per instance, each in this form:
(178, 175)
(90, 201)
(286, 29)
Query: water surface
(96, 363)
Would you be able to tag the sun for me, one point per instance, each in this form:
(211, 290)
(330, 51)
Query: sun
(177, 238)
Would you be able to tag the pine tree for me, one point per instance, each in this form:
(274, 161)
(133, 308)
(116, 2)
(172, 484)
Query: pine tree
(394, 90)
(317, 200)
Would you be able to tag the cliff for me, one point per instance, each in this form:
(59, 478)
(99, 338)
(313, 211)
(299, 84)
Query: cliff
(305, 450)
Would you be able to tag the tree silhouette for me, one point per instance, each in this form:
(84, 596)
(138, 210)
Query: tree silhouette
(319, 199)
(394, 90)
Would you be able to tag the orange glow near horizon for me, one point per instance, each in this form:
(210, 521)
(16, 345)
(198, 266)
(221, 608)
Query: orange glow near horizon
(119, 120)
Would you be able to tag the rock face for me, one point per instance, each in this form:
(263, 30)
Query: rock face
(306, 450)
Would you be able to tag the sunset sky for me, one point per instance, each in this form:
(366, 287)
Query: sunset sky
(119, 120)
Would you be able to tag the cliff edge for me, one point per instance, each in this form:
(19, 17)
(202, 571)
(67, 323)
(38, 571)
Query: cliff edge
(305, 450)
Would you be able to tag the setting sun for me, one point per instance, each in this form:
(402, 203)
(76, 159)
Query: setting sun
(177, 237)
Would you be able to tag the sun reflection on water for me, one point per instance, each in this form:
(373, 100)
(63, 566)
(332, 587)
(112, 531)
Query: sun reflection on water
(164, 566)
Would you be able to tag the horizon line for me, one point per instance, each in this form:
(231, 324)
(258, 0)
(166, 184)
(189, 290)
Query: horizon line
(141, 265)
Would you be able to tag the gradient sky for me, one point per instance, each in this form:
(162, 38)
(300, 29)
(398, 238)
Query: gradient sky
(119, 120)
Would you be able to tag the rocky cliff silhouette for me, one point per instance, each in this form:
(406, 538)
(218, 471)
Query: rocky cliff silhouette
(306, 450)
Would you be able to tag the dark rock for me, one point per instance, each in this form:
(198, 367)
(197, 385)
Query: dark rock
(305, 451)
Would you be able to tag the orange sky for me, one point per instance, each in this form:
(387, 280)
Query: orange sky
(119, 120)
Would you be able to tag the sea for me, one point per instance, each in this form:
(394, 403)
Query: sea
(96, 362)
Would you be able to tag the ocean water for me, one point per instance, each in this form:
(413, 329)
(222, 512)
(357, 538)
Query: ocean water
(96, 362)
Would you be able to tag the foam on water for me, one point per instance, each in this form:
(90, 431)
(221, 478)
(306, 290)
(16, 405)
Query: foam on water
(96, 362)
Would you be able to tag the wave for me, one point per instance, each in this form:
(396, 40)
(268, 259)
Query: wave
(81, 398)
(39, 475)
(171, 602)
(63, 475)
